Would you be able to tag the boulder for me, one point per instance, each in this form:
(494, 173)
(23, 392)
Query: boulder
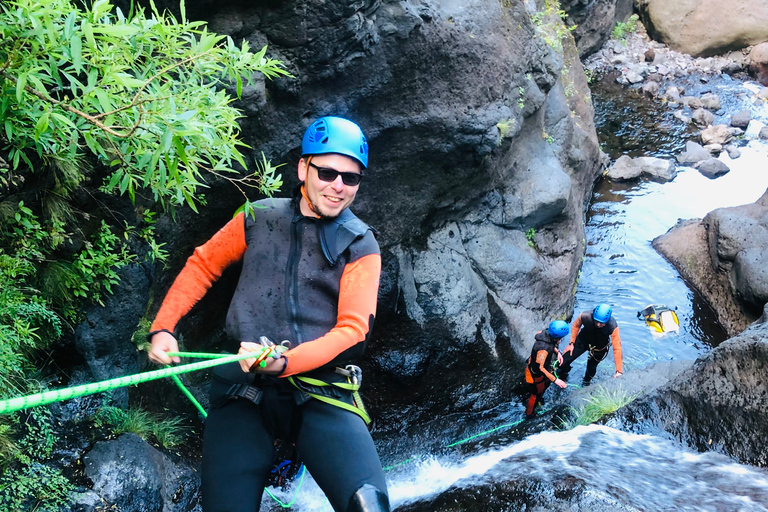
(716, 134)
(758, 62)
(693, 153)
(687, 248)
(135, 477)
(658, 168)
(705, 27)
(712, 168)
(710, 101)
(763, 134)
(703, 117)
(754, 129)
(624, 169)
(741, 119)
(733, 151)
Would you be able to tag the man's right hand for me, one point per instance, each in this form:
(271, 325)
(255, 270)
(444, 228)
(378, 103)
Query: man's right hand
(561, 383)
(568, 349)
(163, 342)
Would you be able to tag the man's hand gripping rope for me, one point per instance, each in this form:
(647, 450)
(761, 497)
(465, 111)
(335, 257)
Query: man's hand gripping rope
(269, 359)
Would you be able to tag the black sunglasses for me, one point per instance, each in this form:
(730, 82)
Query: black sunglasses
(327, 174)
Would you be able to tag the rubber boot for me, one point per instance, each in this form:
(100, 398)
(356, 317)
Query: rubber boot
(368, 499)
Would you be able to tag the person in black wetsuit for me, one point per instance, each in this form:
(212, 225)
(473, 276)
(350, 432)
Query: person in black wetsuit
(310, 276)
(592, 332)
(539, 372)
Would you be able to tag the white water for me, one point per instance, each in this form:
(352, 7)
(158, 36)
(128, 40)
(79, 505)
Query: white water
(644, 472)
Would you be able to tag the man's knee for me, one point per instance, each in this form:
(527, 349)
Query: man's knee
(368, 499)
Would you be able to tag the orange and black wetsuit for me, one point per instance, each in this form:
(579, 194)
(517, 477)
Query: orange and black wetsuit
(539, 373)
(313, 282)
(586, 336)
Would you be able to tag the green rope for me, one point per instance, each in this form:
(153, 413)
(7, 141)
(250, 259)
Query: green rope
(189, 395)
(295, 496)
(58, 395)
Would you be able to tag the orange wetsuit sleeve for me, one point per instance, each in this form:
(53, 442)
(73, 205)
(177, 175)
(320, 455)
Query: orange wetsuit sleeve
(541, 358)
(616, 344)
(575, 328)
(358, 291)
(202, 269)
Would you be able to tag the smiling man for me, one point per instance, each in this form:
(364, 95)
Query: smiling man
(310, 276)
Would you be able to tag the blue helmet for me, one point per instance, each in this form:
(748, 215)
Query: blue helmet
(558, 329)
(602, 313)
(335, 135)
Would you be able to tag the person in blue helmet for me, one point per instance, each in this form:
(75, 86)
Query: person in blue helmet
(539, 371)
(310, 276)
(592, 332)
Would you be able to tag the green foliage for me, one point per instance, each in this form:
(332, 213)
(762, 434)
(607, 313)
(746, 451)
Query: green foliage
(623, 29)
(601, 402)
(529, 235)
(167, 432)
(26, 482)
(146, 95)
(550, 24)
(505, 128)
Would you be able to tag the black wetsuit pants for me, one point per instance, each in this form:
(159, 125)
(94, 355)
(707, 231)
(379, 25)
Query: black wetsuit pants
(579, 347)
(238, 450)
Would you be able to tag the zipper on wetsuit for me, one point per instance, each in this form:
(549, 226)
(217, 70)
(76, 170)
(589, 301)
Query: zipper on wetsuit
(292, 277)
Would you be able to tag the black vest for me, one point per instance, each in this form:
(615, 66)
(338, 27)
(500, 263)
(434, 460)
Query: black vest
(292, 268)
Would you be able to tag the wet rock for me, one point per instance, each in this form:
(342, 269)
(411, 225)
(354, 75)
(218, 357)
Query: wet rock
(763, 133)
(716, 134)
(763, 94)
(719, 404)
(682, 117)
(657, 168)
(705, 27)
(710, 101)
(733, 151)
(741, 119)
(651, 89)
(692, 102)
(693, 153)
(712, 168)
(84, 501)
(634, 77)
(134, 477)
(624, 169)
(714, 149)
(686, 246)
(738, 240)
(104, 337)
(703, 117)
(758, 62)
(672, 94)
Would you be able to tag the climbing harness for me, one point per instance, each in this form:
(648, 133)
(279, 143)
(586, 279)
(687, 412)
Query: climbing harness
(660, 319)
(344, 394)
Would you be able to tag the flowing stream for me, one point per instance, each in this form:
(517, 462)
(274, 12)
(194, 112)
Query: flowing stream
(621, 268)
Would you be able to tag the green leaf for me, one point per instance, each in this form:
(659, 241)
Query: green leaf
(42, 125)
(121, 31)
(76, 50)
(21, 83)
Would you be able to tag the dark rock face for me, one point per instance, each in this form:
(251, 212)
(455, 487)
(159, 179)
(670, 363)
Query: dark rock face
(594, 21)
(133, 476)
(719, 404)
(724, 258)
(483, 151)
(104, 337)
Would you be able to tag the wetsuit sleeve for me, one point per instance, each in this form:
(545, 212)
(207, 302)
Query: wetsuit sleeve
(575, 328)
(202, 269)
(358, 291)
(541, 359)
(616, 344)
